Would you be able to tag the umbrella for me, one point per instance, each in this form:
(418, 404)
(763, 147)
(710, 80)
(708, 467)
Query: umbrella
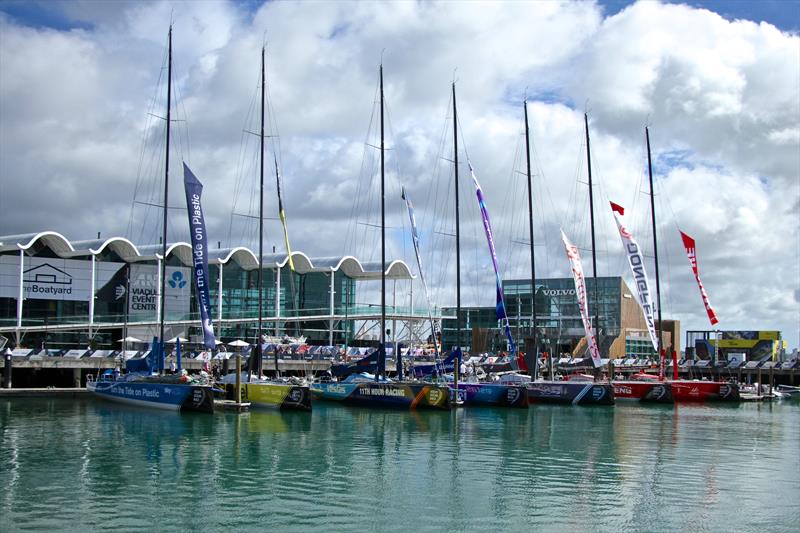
(238, 342)
(175, 339)
(130, 339)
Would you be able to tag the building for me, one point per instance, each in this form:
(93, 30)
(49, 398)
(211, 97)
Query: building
(735, 345)
(96, 292)
(622, 329)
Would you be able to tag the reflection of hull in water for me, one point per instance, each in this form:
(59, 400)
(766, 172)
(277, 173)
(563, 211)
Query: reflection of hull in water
(282, 396)
(684, 390)
(397, 395)
(494, 394)
(643, 391)
(170, 396)
(571, 392)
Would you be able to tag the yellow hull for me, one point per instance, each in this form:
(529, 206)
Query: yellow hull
(277, 395)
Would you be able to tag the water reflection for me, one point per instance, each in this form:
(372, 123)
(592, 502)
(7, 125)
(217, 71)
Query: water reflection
(336, 468)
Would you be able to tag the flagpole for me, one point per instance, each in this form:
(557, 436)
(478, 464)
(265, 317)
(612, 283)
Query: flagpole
(457, 365)
(166, 207)
(534, 361)
(655, 255)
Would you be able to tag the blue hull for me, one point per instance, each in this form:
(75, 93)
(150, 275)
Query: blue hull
(167, 396)
(494, 394)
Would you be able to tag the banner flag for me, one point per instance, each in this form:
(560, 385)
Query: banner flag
(199, 244)
(500, 305)
(691, 253)
(580, 292)
(636, 261)
(282, 216)
(415, 239)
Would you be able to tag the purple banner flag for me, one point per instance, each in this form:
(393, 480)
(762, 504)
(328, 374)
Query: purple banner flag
(500, 305)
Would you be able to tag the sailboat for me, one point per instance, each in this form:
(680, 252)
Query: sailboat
(574, 391)
(470, 389)
(368, 390)
(140, 386)
(643, 387)
(260, 391)
(684, 390)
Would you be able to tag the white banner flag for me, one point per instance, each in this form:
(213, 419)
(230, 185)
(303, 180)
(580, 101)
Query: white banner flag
(636, 261)
(580, 293)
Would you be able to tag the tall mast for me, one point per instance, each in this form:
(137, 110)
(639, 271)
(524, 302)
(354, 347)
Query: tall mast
(458, 240)
(591, 216)
(531, 361)
(655, 240)
(257, 365)
(162, 289)
(382, 353)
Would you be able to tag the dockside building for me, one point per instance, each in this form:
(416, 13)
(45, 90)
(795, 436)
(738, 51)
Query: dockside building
(613, 307)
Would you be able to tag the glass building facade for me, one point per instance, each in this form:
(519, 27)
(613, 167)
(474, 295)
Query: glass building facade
(126, 298)
(558, 318)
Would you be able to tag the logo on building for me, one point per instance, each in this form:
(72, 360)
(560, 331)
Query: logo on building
(47, 279)
(558, 292)
(177, 281)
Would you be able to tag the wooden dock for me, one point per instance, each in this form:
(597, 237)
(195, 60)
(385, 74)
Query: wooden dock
(230, 405)
(44, 392)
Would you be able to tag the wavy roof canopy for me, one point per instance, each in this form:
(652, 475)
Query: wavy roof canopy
(241, 256)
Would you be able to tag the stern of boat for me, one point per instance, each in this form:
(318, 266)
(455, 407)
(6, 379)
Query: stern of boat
(200, 399)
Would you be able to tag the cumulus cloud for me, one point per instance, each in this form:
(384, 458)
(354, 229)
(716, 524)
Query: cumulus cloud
(721, 98)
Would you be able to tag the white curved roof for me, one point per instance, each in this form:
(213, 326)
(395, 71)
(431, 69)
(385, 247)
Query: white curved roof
(242, 256)
(59, 244)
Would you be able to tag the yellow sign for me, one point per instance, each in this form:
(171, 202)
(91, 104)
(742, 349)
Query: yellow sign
(737, 343)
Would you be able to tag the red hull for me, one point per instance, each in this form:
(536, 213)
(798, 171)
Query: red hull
(684, 390)
(643, 391)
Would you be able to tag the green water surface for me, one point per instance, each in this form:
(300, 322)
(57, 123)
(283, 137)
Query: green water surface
(83, 465)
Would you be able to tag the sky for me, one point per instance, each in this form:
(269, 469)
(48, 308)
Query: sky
(82, 103)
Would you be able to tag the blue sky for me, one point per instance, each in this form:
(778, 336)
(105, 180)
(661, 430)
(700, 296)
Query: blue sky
(784, 14)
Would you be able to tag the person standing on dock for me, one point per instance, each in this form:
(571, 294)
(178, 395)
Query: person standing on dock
(7, 360)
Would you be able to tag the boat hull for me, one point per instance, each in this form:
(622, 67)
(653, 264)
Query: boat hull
(283, 396)
(643, 391)
(570, 392)
(395, 395)
(704, 391)
(493, 394)
(167, 396)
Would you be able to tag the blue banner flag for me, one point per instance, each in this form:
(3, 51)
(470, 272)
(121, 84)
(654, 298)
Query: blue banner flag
(415, 239)
(199, 243)
(500, 305)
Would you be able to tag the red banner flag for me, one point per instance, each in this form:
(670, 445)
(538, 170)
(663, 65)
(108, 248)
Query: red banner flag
(688, 243)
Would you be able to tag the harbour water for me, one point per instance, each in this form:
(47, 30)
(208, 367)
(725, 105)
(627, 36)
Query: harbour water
(81, 464)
